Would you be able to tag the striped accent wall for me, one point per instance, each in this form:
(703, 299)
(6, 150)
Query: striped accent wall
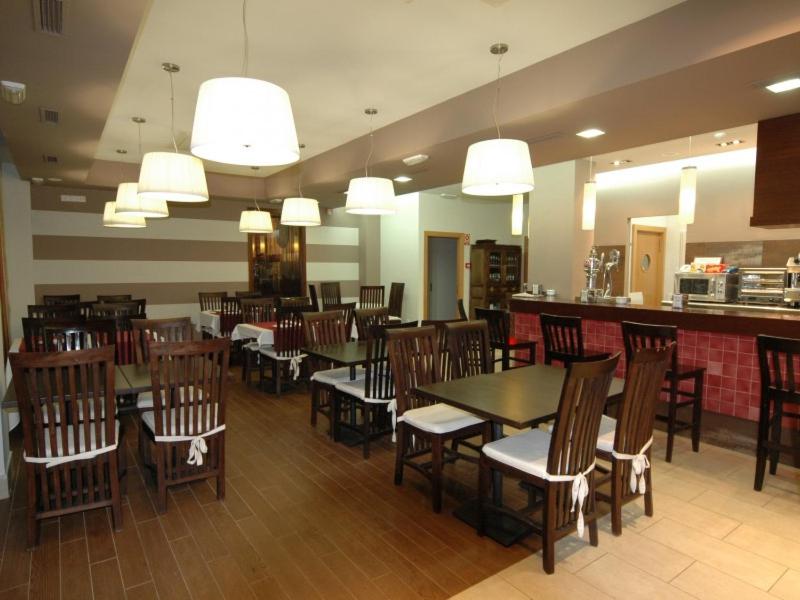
(332, 254)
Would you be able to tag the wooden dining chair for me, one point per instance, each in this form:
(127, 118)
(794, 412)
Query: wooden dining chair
(56, 299)
(312, 294)
(230, 315)
(371, 296)
(349, 310)
(116, 309)
(33, 331)
(641, 335)
(254, 310)
(396, 292)
(145, 331)
(778, 363)
(462, 312)
(85, 309)
(563, 340)
(211, 300)
(114, 298)
(72, 464)
(331, 292)
(423, 427)
(54, 311)
(369, 317)
(325, 329)
(296, 302)
(372, 394)
(247, 294)
(559, 465)
(79, 336)
(287, 350)
(441, 343)
(186, 427)
(626, 441)
(469, 348)
(501, 339)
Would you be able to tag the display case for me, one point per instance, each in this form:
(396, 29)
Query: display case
(495, 275)
(277, 261)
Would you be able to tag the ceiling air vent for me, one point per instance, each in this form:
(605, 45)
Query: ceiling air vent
(48, 115)
(48, 16)
(49, 158)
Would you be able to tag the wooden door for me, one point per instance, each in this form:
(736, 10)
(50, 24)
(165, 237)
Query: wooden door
(647, 263)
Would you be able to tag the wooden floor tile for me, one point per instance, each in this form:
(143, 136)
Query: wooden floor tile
(619, 579)
(45, 564)
(166, 575)
(76, 582)
(707, 583)
(788, 586)
(16, 564)
(106, 580)
(230, 580)
(130, 553)
(195, 570)
(146, 591)
(98, 535)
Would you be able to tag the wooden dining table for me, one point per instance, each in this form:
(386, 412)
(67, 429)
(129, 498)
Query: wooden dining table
(349, 354)
(521, 398)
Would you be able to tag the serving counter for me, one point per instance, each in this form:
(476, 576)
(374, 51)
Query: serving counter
(721, 339)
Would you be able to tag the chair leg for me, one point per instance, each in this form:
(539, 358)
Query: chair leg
(314, 402)
(593, 538)
(697, 412)
(116, 497)
(648, 494)
(366, 414)
(400, 450)
(777, 423)
(548, 529)
(506, 359)
(761, 448)
(616, 498)
(671, 418)
(437, 448)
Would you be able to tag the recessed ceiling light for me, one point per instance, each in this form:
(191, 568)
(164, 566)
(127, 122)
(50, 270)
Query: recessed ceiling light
(785, 85)
(448, 196)
(54, 179)
(591, 133)
(276, 201)
(402, 179)
(415, 159)
(719, 134)
(735, 142)
(622, 161)
(121, 151)
(37, 180)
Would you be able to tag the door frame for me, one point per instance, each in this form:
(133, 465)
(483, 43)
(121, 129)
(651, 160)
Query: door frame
(459, 237)
(662, 231)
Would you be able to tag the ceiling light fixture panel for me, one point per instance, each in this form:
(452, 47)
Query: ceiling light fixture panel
(784, 86)
(402, 179)
(590, 133)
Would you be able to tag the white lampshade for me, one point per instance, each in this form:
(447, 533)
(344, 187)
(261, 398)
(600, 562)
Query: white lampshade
(111, 219)
(129, 204)
(589, 205)
(370, 196)
(172, 176)
(255, 221)
(516, 214)
(244, 121)
(688, 195)
(498, 168)
(300, 212)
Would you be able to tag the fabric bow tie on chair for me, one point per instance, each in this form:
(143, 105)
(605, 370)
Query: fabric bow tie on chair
(639, 464)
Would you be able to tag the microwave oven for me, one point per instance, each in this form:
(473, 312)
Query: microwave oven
(708, 287)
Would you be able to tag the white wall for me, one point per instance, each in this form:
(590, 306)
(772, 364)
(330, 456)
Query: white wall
(400, 253)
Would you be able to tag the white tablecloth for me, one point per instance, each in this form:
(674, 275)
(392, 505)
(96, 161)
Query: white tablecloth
(248, 331)
(208, 320)
(11, 414)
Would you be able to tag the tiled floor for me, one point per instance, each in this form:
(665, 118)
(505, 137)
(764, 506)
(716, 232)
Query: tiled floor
(305, 518)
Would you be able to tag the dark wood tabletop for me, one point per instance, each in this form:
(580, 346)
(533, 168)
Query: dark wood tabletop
(522, 397)
(350, 354)
(137, 377)
(121, 385)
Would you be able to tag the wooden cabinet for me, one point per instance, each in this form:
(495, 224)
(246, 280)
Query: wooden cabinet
(277, 261)
(495, 275)
(777, 185)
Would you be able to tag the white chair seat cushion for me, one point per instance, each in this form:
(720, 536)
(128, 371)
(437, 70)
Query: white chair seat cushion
(608, 428)
(357, 389)
(82, 445)
(440, 418)
(145, 399)
(525, 451)
(334, 376)
(176, 420)
(269, 351)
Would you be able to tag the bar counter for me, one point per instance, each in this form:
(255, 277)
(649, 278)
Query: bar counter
(722, 340)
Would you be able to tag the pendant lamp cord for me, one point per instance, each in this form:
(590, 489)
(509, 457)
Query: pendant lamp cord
(591, 161)
(369, 156)
(497, 96)
(690, 146)
(172, 111)
(246, 53)
(139, 125)
(300, 172)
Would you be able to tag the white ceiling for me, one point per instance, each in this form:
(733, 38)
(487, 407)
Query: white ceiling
(335, 58)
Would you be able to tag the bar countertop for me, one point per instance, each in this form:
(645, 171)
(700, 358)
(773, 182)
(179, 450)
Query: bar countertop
(730, 319)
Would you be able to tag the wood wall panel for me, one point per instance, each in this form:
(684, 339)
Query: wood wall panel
(777, 185)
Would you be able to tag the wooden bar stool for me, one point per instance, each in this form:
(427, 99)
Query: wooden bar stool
(563, 340)
(640, 335)
(777, 358)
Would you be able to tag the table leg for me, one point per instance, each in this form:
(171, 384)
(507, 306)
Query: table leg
(352, 372)
(497, 476)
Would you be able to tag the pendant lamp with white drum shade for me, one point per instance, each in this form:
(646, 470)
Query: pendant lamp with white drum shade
(112, 219)
(370, 195)
(687, 196)
(172, 176)
(244, 121)
(498, 167)
(128, 203)
(589, 211)
(300, 211)
(517, 213)
(255, 220)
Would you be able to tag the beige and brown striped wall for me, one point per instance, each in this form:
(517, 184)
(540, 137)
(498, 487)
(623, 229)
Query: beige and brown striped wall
(199, 248)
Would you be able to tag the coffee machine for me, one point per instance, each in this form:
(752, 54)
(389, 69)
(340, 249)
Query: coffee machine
(592, 267)
(791, 292)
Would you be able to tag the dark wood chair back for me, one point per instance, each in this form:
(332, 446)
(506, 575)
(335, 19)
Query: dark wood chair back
(779, 363)
(414, 360)
(85, 309)
(468, 348)
(396, 292)
(312, 293)
(331, 292)
(378, 380)
(116, 309)
(33, 331)
(324, 328)
(349, 310)
(563, 338)
(125, 344)
(146, 331)
(441, 343)
(498, 322)
(289, 337)
(462, 312)
(371, 296)
(303, 302)
(257, 310)
(230, 315)
(368, 317)
(247, 294)
(80, 336)
(114, 298)
(55, 391)
(642, 335)
(211, 300)
(54, 311)
(577, 424)
(56, 299)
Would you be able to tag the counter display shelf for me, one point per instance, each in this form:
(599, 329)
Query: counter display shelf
(723, 340)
